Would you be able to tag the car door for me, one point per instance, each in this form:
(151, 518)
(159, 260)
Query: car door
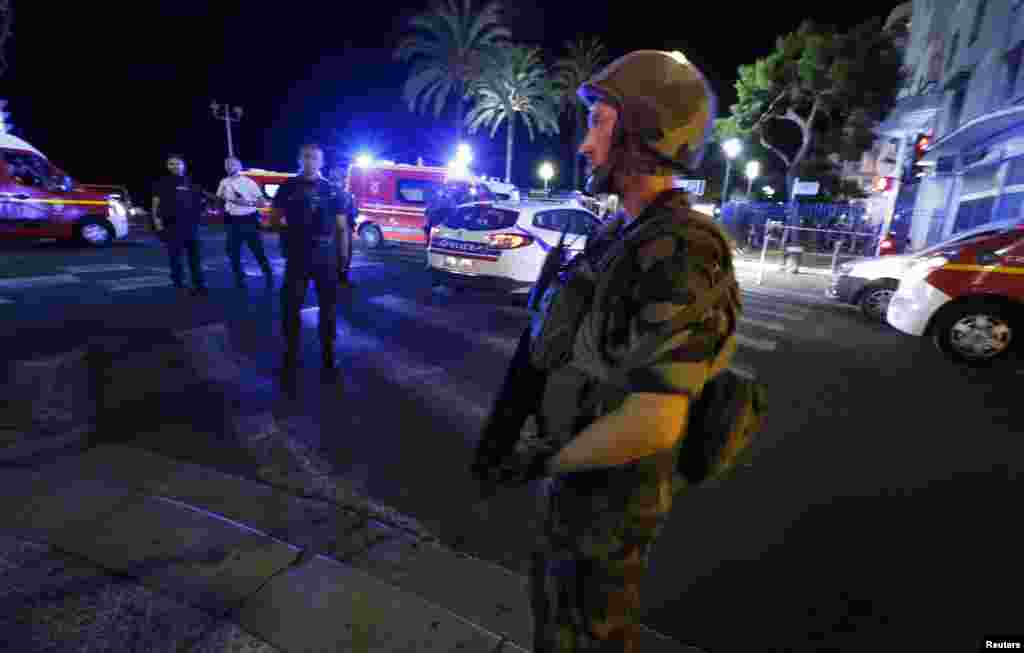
(26, 203)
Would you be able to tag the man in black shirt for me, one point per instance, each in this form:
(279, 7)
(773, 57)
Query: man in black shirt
(345, 236)
(313, 212)
(177, 208)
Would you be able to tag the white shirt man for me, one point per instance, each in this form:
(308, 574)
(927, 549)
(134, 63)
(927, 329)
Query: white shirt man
(242, 199)
(242, 196)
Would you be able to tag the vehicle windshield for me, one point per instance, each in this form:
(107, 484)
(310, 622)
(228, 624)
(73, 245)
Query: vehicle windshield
(481, 218)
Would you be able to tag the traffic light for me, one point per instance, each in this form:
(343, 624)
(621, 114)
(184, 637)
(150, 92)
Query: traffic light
(915, 170)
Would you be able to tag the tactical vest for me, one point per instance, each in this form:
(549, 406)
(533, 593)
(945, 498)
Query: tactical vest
(582, 369)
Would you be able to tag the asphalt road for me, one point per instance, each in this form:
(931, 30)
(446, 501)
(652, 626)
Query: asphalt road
(878, 514)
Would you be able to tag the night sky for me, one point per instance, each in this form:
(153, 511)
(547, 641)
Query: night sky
(107, 89)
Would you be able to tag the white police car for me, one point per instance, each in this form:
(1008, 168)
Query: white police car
(502, 245)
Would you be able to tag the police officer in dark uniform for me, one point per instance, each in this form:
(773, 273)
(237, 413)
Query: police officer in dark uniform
(177, 210)
(313, 212)
(345, 236)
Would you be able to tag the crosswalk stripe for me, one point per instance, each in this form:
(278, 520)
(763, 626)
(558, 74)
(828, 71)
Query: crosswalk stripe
(445, 321)
(39, 282)
(442, 319)
(797, 315)
(761, 324)
(135, 283)
(755, 343)
(405, 370)
(80, 269)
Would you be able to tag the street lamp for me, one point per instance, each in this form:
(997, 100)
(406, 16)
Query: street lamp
(546, 172)
(228, 115)
(769, 191)
(753, 171)
(364, 160)
(732, 149)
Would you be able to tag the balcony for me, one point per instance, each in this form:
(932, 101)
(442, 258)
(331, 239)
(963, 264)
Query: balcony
(911, 112)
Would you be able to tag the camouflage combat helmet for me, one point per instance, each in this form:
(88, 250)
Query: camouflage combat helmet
(666, 111)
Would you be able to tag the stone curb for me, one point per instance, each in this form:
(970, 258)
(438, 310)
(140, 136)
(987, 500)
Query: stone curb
(390, 546)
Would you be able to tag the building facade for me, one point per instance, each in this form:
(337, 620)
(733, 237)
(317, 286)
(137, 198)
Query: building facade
(964, 91)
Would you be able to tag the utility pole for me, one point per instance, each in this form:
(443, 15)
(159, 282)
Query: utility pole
(228, 115)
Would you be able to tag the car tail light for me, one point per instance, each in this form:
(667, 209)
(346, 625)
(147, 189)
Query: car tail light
(888, 244)
(509, 241)
(435, 230)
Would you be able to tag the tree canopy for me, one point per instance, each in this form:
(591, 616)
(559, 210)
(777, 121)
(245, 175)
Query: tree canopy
(818, 86)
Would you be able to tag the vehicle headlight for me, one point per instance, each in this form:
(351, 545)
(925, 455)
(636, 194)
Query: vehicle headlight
(116, 209)
(924, 267)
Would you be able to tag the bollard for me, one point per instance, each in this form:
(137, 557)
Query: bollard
(793, 258)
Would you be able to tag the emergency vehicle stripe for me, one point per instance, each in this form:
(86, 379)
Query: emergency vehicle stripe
(44, 201)
(1002, 269)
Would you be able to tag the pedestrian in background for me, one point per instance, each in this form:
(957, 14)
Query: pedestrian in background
(242, 199)
(312, 207)
(178, 205)
(346, 237)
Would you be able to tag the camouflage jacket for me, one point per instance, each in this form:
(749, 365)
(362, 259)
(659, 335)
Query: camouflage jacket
(646, 271)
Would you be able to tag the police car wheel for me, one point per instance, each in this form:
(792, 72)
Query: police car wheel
(874, 300)
(977, 333)
(371, 236)
(95, 232)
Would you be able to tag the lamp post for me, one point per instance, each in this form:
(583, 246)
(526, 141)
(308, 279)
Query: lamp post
(732, 149)
(753, 171)
(228, 115)
(546, 172)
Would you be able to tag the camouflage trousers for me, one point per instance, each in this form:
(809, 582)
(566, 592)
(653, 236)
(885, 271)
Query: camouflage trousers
(585, 598)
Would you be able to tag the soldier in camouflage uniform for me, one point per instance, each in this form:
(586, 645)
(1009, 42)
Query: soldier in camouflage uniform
(608, 453)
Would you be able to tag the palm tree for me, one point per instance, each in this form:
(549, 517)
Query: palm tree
(6, 20)
(583, 59)
(514, 82)
(446, 46)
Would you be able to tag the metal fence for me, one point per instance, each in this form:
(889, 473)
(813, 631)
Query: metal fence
(746, 220)
(789, 247)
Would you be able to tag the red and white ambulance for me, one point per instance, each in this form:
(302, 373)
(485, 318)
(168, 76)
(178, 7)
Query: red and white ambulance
(392, 198)
(38, 200)
(967, 296)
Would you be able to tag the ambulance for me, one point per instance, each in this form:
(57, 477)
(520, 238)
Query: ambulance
(392, 198)
(38, 200)
(967, 296)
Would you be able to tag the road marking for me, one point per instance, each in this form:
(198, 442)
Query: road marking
(442, 319)
(761, 324)
(80, 269)
(404, 369)
(4, 300)
(135, 283)
(39, 282)
(744, 372)
(755, 343)
(445, 321)
(797, 315)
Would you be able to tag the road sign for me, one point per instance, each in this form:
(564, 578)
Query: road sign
(693, 186)
(805, 187)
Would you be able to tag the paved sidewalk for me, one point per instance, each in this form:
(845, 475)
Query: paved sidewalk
(278, 555)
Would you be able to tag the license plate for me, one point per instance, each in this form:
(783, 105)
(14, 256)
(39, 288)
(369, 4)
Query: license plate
(456, 263)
